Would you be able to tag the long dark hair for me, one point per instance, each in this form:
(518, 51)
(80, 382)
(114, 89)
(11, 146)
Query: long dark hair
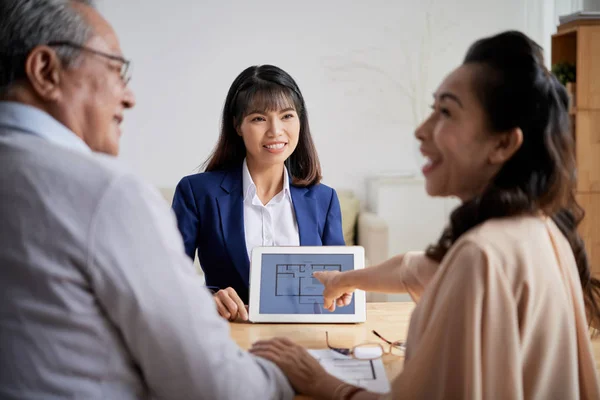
(516, 90)
(265, 87)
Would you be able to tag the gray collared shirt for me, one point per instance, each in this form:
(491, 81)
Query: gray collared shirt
(27, 119)
(97, 298)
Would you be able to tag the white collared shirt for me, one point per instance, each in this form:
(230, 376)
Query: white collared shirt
(273, 224)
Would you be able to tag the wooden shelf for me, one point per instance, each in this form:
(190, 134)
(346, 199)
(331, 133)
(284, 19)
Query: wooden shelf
(573, 25)
(565, 32)
(578, 43)
(564, 48)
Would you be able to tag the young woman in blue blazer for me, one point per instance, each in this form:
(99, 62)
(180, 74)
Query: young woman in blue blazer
(260, 187)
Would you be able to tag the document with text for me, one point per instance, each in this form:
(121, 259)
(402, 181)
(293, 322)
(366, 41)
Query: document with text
(369, 374)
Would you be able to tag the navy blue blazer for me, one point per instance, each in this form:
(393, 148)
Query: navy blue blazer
(210, 214)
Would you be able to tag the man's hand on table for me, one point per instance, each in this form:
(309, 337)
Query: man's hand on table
(304, 372)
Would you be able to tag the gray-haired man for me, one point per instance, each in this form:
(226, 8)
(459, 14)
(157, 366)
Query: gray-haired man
(97, 297)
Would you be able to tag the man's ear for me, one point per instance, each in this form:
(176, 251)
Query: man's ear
(43, 68)
(506, 146)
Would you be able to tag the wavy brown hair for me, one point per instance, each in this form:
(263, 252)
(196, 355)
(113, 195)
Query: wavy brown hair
(517, 91)
(265, 88)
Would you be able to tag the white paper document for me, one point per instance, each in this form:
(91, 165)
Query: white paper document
(369, 374)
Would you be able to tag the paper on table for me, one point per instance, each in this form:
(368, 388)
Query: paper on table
(369, 374)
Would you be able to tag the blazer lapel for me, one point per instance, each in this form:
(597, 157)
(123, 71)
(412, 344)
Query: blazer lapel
(305, 207)
(231, 212)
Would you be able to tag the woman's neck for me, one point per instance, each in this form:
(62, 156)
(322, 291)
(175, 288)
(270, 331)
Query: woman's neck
(268, 179)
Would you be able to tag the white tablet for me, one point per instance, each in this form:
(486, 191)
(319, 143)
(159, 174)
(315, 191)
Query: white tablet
(282, 288)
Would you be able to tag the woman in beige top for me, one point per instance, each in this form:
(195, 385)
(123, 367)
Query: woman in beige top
(502, 296)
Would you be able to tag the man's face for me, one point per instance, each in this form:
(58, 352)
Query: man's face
(93, 94)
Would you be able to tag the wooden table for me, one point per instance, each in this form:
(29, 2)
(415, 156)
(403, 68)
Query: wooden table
(388, 319)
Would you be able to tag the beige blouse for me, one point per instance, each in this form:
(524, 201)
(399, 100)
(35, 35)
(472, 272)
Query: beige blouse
(502, 317)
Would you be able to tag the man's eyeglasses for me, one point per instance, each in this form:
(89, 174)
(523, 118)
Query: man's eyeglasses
(125, 64)
(370, 350)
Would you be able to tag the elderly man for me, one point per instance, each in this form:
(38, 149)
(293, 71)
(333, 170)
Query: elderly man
(97, 297)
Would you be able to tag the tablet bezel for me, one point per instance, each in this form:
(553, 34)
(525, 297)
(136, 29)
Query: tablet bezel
(360, 311)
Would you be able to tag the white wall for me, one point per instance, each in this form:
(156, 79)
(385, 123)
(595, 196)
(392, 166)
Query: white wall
(367, 70)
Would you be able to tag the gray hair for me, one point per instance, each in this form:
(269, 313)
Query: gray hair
(25, 24)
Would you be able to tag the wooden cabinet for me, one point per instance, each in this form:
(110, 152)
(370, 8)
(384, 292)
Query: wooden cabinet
(590, 227)
(587, 131)
(578, 42)
(588, 67)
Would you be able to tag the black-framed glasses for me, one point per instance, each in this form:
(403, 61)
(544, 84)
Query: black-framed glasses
(369, 350)
(125, 64)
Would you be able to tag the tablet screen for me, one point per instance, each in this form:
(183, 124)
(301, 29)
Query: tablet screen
(288, 287)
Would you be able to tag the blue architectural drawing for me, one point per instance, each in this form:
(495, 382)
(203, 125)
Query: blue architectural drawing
(297, 280)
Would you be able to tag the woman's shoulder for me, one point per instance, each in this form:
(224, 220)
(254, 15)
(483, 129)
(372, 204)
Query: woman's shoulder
(320, 190)
(206, 181)
(206, 176)
(509, 242)
(502, 232)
